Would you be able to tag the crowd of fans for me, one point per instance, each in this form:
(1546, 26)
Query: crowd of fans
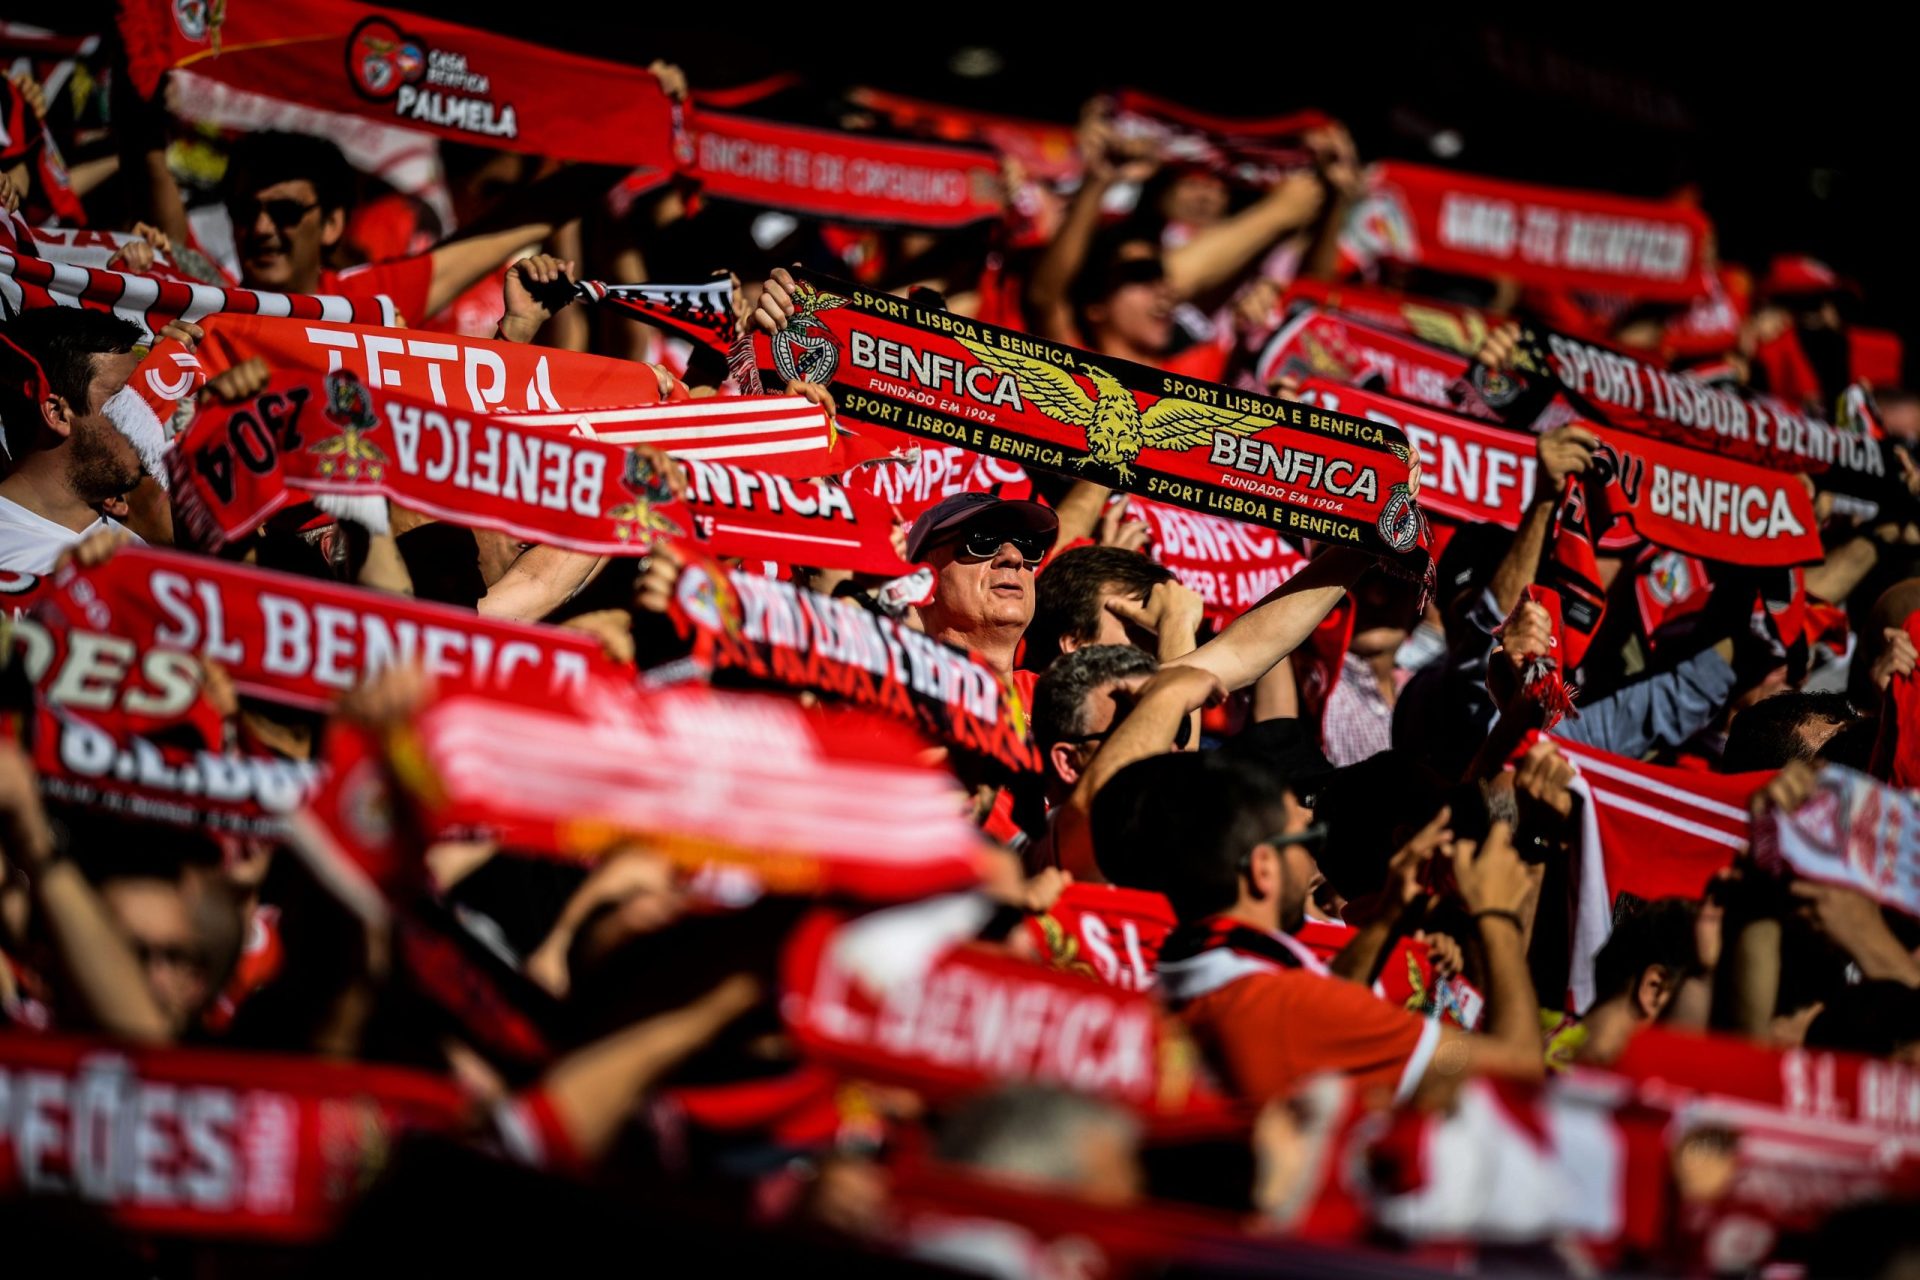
(1338, 843)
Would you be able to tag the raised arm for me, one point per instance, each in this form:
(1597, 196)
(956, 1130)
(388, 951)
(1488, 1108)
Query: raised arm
(1278, 625)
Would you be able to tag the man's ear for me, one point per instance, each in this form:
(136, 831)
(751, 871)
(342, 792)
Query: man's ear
(1068, 643)
(332, 227)
(1264, 872)
(58, 415)
(1652, 992)
(1063, 758)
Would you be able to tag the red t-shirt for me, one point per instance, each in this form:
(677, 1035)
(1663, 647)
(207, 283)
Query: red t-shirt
(405, 281)
(1268, 1032)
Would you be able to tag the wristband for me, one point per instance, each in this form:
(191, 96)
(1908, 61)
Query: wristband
(1496, 914)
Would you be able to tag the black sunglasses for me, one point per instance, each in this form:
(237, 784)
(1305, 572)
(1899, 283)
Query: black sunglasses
(985, 545)
(282, 213)
(1181, 735)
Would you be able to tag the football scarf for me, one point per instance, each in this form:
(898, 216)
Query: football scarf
(561, 392)
(926, 374)
(1623, 390)
(912, 484)
(1896, 755)
(1254, 152)
(1647, 830)
(413, 71)
(1570, 568)
(331, 435)
(1339, 348)
(1450, 325)
(774, 631)
(1543, 676)
(1043, 150)
(304, 641)
(129, 730)
(848, 177)
(25, 137)
(1232, 564)
(1556, 238)
(1852, 831)
(819, 523)
(1688, 499)
(576, 780)
(947, 1018)
(1104, 931)
(700, 312)
(207, 1143)
(68, 268)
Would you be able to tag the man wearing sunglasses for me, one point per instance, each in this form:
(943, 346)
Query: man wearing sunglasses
(289, 196)
(1263, 1008)
(983, 551)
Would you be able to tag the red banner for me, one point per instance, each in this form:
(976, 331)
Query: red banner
(911, 485)
(1443, 324)
(413, 71)
(1232, 564)
(235, 1146)
(845, 176)
(968, 1017)
(333, 435)
(1548, 236)
(302, 641)
(1046, 151)
(778, 632)
(1257, 152)
(1106, 932)
(1634, 394)
(1339, 348)
(1686, 499)
(759, 516)
(786, 799)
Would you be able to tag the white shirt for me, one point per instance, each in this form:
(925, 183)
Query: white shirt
(30, 543)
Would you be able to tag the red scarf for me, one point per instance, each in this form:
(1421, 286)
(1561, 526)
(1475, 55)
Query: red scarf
(849, 177)
(1450, 325)
(1543, 676)
(331, 435)
(1852, 831)
(414, 72)
(68, 268)
(906, 368)
(25, 137)
(1338, 348)
(305, 641)
(777, 632)
(758, 516)
(1630, 393)
(876, 1004)
(1647, 830)
(1449, 221)
(1232, 564)
(701, 312)
(770, 809)
(1897, 753)
(561, 392)
(140, 740)
(1106, 932)
(198, 1142)
(1256, 152)
(1044, 151)
(911, 485)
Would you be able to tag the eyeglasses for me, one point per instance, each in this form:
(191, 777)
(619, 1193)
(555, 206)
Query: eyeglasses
(282, 213)
(985, 545)
(1311, 837)
(1181, 735)
(171, 955)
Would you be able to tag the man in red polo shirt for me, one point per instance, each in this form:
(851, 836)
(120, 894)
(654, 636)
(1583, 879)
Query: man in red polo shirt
(1262, 1007)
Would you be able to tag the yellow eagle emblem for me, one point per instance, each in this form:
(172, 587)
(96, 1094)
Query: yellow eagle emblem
(1117, 429)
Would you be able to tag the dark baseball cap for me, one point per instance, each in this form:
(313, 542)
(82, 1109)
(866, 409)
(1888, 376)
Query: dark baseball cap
(965, 510)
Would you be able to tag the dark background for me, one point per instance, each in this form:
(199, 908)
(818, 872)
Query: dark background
(1796, 130)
